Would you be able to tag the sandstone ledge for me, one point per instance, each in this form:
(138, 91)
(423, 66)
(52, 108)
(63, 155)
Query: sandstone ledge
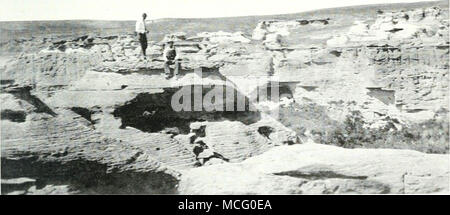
(323, 169)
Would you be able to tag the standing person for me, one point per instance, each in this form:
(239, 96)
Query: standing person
(141, 32)
(170, 57)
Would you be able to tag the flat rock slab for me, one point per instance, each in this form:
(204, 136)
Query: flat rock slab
(323, 169)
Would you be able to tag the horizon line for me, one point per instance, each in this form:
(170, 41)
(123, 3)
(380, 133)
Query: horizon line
(221, 17)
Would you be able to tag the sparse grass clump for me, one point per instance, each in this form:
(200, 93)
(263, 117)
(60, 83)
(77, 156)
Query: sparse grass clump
(431, 136)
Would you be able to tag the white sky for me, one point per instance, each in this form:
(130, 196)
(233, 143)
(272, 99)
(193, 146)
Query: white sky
(14, 10)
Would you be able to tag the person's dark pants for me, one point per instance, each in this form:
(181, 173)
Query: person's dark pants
(167, 63)
(143, 41)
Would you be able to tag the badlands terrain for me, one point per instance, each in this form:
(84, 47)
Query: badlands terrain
(362, 105)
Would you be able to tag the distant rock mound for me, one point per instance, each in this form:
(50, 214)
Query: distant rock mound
(270, 31)
(419, 26)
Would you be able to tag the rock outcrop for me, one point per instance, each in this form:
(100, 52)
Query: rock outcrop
(420, 26)
(321, 169)
(91, 102)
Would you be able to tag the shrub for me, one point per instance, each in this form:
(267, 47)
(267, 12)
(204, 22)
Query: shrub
(431, 136)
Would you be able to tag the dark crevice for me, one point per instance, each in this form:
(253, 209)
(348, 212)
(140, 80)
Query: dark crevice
(83, 112)
(24, 93)
(200, 147)
(394, 30)
(318, 175)
(85, 177)
(265, 131)
(13, 116)
(200, 132)
(6, 81)
(154, 113)
(217, 155)
(336, 53)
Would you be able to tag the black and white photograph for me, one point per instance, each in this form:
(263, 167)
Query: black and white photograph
(224, 97)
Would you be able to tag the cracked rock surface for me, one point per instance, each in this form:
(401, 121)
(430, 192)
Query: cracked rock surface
(321, 169)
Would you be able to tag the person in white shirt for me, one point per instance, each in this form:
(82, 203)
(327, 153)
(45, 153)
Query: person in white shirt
(141, 32)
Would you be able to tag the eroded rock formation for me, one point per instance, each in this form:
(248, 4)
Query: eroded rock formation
(91, 106)
(321, 169)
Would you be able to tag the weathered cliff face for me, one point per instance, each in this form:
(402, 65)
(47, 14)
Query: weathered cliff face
(93, 103)
(408, 64)
(115, 100)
